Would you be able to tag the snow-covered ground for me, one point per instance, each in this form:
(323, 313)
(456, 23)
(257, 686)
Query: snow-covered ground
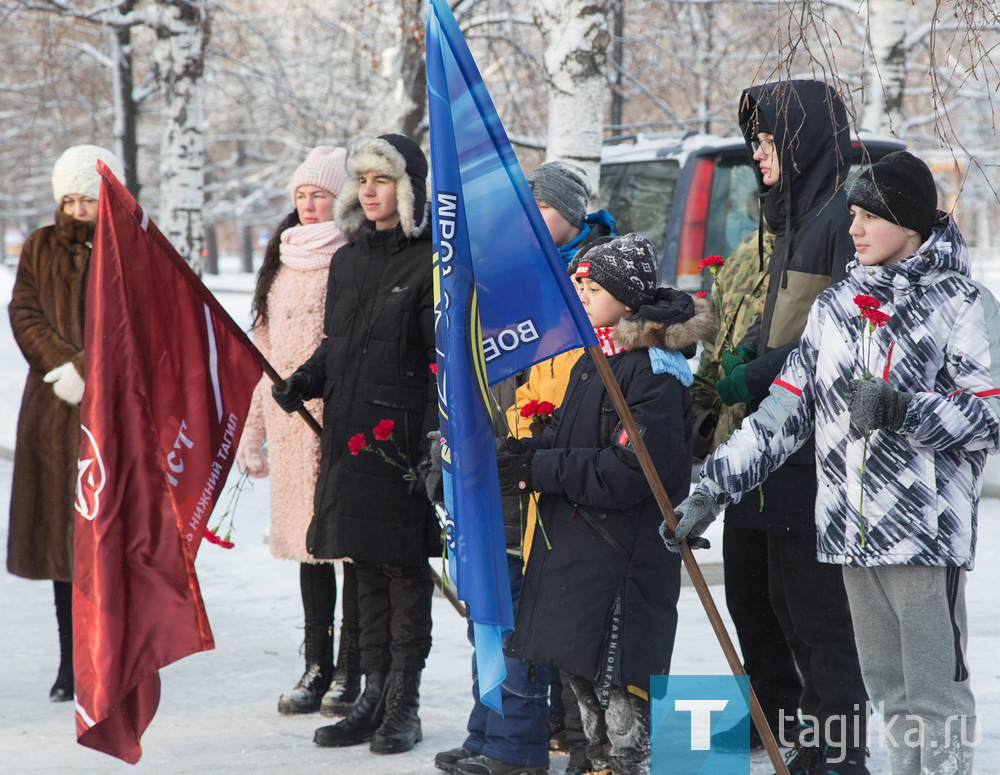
(218, 709)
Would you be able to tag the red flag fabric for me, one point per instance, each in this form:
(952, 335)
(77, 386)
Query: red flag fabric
(169, 377)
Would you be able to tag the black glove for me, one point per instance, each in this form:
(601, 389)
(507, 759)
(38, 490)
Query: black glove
(669, 306)
(514, 466)
(694, 515)
(873, 404)
(733, 358)
(733, 389)
(429, 469)
(290, 399)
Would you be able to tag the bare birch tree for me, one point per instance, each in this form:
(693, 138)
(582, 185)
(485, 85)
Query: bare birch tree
(576, 37)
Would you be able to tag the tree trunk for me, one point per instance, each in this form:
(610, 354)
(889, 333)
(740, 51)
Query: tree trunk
(885, 77)
(211, 250)
(179, 55)
(575, 33)
(245, 232)
(125, 107)
(617, 63)
(411, 93)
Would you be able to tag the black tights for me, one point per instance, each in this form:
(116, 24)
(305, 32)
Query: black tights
(64, 618)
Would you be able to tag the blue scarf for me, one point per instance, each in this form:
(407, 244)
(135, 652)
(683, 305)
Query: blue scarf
(602, 217)
(671, 362)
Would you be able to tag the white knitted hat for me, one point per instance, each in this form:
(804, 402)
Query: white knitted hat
(325, 166)
(75, 172)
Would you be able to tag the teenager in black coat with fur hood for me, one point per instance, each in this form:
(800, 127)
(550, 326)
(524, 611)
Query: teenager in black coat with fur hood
(600, 604)
(374, 365)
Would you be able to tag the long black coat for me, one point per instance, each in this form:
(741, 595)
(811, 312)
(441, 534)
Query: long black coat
(603, 599)
(373, 365)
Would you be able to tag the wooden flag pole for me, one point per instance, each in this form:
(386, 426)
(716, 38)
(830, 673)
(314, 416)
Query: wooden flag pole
(446, 589)
(697, 579)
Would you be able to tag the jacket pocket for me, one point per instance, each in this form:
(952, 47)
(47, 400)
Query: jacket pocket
(907, 499)
(594, 521)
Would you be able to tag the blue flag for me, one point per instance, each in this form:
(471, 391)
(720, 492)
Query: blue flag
(504, 302)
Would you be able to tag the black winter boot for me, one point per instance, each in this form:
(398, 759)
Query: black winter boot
(400, 729)
(308, 692)
(361, 723)
(62, 689)
(346, 686)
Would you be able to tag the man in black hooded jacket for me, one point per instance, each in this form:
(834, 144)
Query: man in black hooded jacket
(798, 136)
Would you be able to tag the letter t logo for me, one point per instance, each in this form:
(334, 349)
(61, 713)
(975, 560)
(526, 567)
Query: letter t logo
(701, 720)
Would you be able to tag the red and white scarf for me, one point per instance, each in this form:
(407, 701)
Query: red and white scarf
(311, 245)
(606, 339)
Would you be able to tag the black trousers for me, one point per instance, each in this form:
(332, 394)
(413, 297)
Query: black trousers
(394, 606)
(767, 657)
(810, 601)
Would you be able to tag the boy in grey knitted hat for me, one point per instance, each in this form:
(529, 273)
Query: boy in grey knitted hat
(563, 191)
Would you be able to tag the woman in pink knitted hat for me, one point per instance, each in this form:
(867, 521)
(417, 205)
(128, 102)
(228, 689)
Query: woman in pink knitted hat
(287, 309)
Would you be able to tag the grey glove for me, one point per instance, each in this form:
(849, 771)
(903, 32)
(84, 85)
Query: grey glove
(694, 515)
(873, 404)
(429, 469)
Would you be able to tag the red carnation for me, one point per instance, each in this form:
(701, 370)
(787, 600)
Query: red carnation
(545, 407)
(874, 316)
(434, 368)
(701, 295)
(212, 538)
(708, 261)
(382, 431)
(866, 302)
(530, 409)
(357, 443)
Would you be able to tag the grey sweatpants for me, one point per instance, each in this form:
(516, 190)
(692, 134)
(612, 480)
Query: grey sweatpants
(910, 628)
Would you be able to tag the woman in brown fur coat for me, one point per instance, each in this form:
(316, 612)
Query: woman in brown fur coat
(46, 316)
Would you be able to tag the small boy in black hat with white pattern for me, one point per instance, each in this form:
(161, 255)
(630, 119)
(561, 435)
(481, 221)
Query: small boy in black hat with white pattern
(898, 373)
(600, 589)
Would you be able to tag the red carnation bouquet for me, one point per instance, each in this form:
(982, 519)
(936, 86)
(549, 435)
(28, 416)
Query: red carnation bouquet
(872, 318)
(382, 432)
(539, 414)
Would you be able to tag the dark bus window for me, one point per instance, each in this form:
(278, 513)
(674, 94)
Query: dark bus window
(639, 195)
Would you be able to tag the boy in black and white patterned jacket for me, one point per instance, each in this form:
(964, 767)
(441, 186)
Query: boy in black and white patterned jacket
(905, 409)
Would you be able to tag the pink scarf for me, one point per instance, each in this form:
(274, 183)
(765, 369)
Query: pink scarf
(606, 339)
(311, 246)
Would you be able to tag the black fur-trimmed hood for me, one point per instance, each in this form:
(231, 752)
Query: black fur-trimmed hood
(637, 332)
(394, 156)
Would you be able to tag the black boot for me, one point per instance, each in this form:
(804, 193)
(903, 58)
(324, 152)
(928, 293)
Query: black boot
(308, 692)
(62, 689)
(346, 686)
(400, 729)
(361, 723)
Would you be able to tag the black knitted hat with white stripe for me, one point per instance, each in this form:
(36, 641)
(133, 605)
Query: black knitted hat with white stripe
(900, 188)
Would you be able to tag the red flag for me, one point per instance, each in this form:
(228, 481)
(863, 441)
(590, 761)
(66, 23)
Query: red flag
(169, 379)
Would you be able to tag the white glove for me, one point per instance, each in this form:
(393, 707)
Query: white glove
(248, 456)
(66, 383)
